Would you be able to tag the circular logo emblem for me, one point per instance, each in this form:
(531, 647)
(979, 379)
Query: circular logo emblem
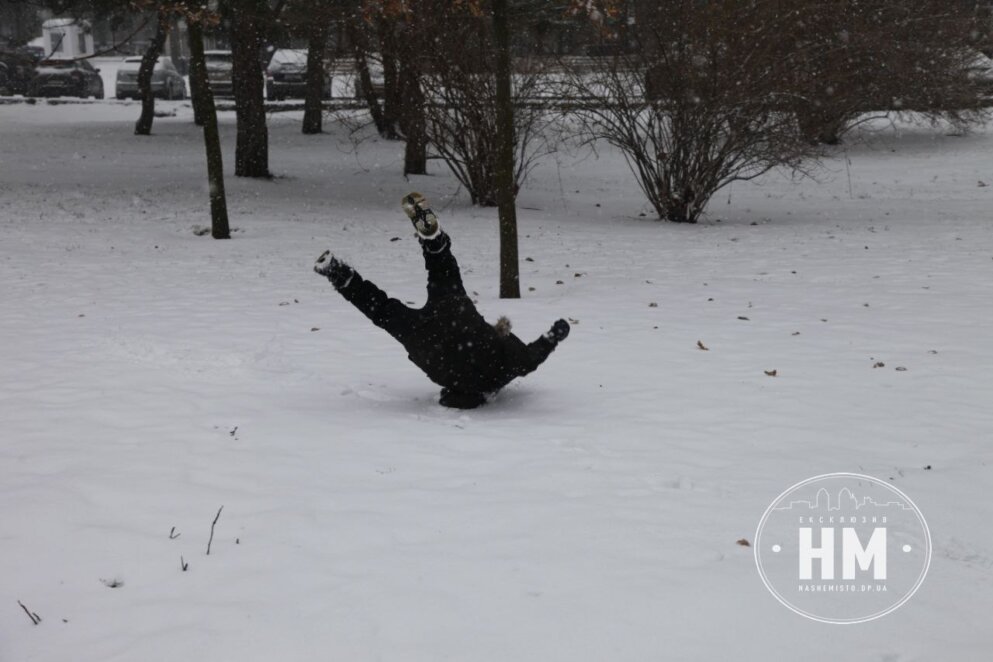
(842, 548)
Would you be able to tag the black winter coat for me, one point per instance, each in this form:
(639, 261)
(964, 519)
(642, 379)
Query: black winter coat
(458, 349)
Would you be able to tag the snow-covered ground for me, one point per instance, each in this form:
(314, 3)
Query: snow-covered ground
(591, 512)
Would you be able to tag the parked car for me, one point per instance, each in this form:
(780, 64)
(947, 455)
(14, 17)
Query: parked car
(286, 76)
(66, 78)
(166, 81)
(219, 65)
(35, 53)
(16, 71)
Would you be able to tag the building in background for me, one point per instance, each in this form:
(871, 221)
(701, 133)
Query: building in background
(67, 38)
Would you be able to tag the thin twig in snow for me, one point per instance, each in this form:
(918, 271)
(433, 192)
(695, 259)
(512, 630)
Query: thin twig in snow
(213, 524)
(35, 618)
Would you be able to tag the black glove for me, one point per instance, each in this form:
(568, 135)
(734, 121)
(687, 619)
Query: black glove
(558, 332)
(336, 271)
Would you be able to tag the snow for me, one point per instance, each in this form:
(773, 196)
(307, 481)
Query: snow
(590, 512)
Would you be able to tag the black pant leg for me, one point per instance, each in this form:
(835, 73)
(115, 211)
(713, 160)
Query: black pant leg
(388, 314)
(444, 276)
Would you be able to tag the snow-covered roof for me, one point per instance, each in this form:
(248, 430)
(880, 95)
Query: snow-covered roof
(65, 22)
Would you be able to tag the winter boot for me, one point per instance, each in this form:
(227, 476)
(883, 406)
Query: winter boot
(336, 271)
(424, 220)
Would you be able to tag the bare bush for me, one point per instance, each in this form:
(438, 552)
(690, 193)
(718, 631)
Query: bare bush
(697, 103)
(858, 57)
(458, 75)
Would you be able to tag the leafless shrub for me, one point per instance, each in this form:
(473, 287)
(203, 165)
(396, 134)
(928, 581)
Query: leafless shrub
(458, 77)
(697, 103)
(870, 56)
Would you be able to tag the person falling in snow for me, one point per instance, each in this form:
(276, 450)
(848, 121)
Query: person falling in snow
(448, 339)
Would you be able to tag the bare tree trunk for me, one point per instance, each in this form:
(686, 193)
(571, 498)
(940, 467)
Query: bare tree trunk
(412, 120)
(211, 137)
(198, 82)
(175, 50)
(251, 157)
(143, 126)
(363, 84)
(510, 287)
(313, 111)
(391, 79)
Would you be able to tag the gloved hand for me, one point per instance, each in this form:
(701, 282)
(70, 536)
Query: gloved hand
(558, 332)
(336, 271)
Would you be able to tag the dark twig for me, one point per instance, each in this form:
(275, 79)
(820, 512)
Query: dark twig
(172, 534)
(213, 524)
(183, 564)
(35, 618)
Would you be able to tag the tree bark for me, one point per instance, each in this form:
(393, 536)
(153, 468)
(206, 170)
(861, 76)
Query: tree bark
(412, 120)
(175, 49)
(198, 83)
(313, 110)
(143, 126)
(363, 84)
(211, 138)
(391, 79)
(510, 287)
(251, 157)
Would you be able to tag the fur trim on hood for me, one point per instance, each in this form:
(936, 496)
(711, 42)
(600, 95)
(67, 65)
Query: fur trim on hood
(502, 327)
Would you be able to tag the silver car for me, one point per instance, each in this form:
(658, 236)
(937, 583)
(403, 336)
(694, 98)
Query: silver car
(219, 67)
(166, 81)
